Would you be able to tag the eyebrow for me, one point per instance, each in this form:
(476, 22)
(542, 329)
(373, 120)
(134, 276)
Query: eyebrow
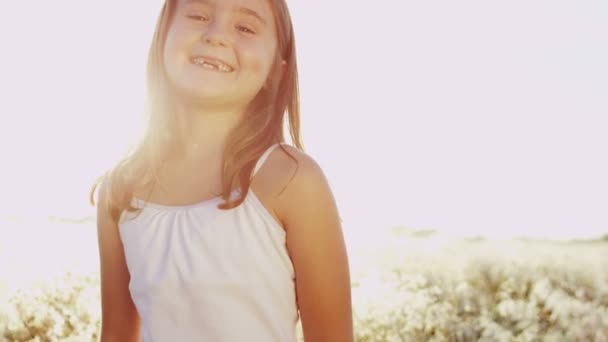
(251, 12)
(240, 9)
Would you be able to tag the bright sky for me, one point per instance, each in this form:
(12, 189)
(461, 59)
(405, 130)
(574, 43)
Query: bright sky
(470, 117)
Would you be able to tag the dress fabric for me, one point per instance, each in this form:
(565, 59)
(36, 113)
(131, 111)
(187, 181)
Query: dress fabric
(199, 273)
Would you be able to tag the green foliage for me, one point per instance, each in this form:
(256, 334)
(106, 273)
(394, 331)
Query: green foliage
(466, 291)
(63, 309)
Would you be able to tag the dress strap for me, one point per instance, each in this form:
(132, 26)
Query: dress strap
(263, 158)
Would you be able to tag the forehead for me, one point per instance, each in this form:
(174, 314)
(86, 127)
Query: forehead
(262, 7)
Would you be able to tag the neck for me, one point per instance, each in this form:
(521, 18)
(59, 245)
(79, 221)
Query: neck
(206, 131)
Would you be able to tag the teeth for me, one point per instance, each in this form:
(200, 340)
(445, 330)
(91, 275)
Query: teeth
(209, 66)
(220, 66)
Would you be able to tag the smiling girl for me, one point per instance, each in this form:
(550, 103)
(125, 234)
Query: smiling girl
(213, 228)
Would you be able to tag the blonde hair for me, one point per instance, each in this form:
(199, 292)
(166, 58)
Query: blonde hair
(163, 135)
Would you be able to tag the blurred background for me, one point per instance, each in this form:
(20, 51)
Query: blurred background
(468, 117)
(460, 120)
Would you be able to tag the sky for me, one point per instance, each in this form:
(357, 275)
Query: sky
(470, 117)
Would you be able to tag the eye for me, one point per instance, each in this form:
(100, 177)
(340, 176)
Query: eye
(197, 17)
(245, 29)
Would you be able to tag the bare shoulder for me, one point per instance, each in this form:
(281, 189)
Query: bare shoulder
(288, 178)
(290, 171)
(294, 164)
(305, 176)
(299, 182)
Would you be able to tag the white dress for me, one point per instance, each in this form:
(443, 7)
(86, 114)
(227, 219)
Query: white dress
(199, 273)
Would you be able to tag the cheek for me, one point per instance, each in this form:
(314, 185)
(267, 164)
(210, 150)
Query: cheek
(175, 46)
(259, 61)
(169, 51)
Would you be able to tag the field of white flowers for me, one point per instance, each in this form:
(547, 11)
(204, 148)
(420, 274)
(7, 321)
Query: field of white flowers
(405, 287)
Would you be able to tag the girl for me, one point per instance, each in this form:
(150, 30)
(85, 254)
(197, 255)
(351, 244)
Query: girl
(213, 229)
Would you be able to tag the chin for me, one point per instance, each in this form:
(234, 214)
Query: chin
(203, 90)
(210, 97)
(214, 93)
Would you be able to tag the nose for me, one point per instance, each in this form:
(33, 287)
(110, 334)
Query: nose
(216, 34)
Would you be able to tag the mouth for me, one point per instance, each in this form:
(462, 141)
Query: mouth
(211, 63)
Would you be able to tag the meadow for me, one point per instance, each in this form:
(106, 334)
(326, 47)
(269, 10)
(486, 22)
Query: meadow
(407, 285)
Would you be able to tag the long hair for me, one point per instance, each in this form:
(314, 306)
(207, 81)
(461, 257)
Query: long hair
(163, 135)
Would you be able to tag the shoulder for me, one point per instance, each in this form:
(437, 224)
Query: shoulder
(297, 165)
(306, 175)
(293, 170)
(296, 180)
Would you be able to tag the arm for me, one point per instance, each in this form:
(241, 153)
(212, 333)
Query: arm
(317, 249)
(119, 318)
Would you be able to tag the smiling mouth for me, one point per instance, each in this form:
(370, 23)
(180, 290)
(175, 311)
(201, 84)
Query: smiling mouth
(211, 64)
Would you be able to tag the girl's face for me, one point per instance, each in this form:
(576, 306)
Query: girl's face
(221, 51)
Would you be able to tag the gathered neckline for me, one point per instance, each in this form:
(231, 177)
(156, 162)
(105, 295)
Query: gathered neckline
(250, 199)
(213, 200)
